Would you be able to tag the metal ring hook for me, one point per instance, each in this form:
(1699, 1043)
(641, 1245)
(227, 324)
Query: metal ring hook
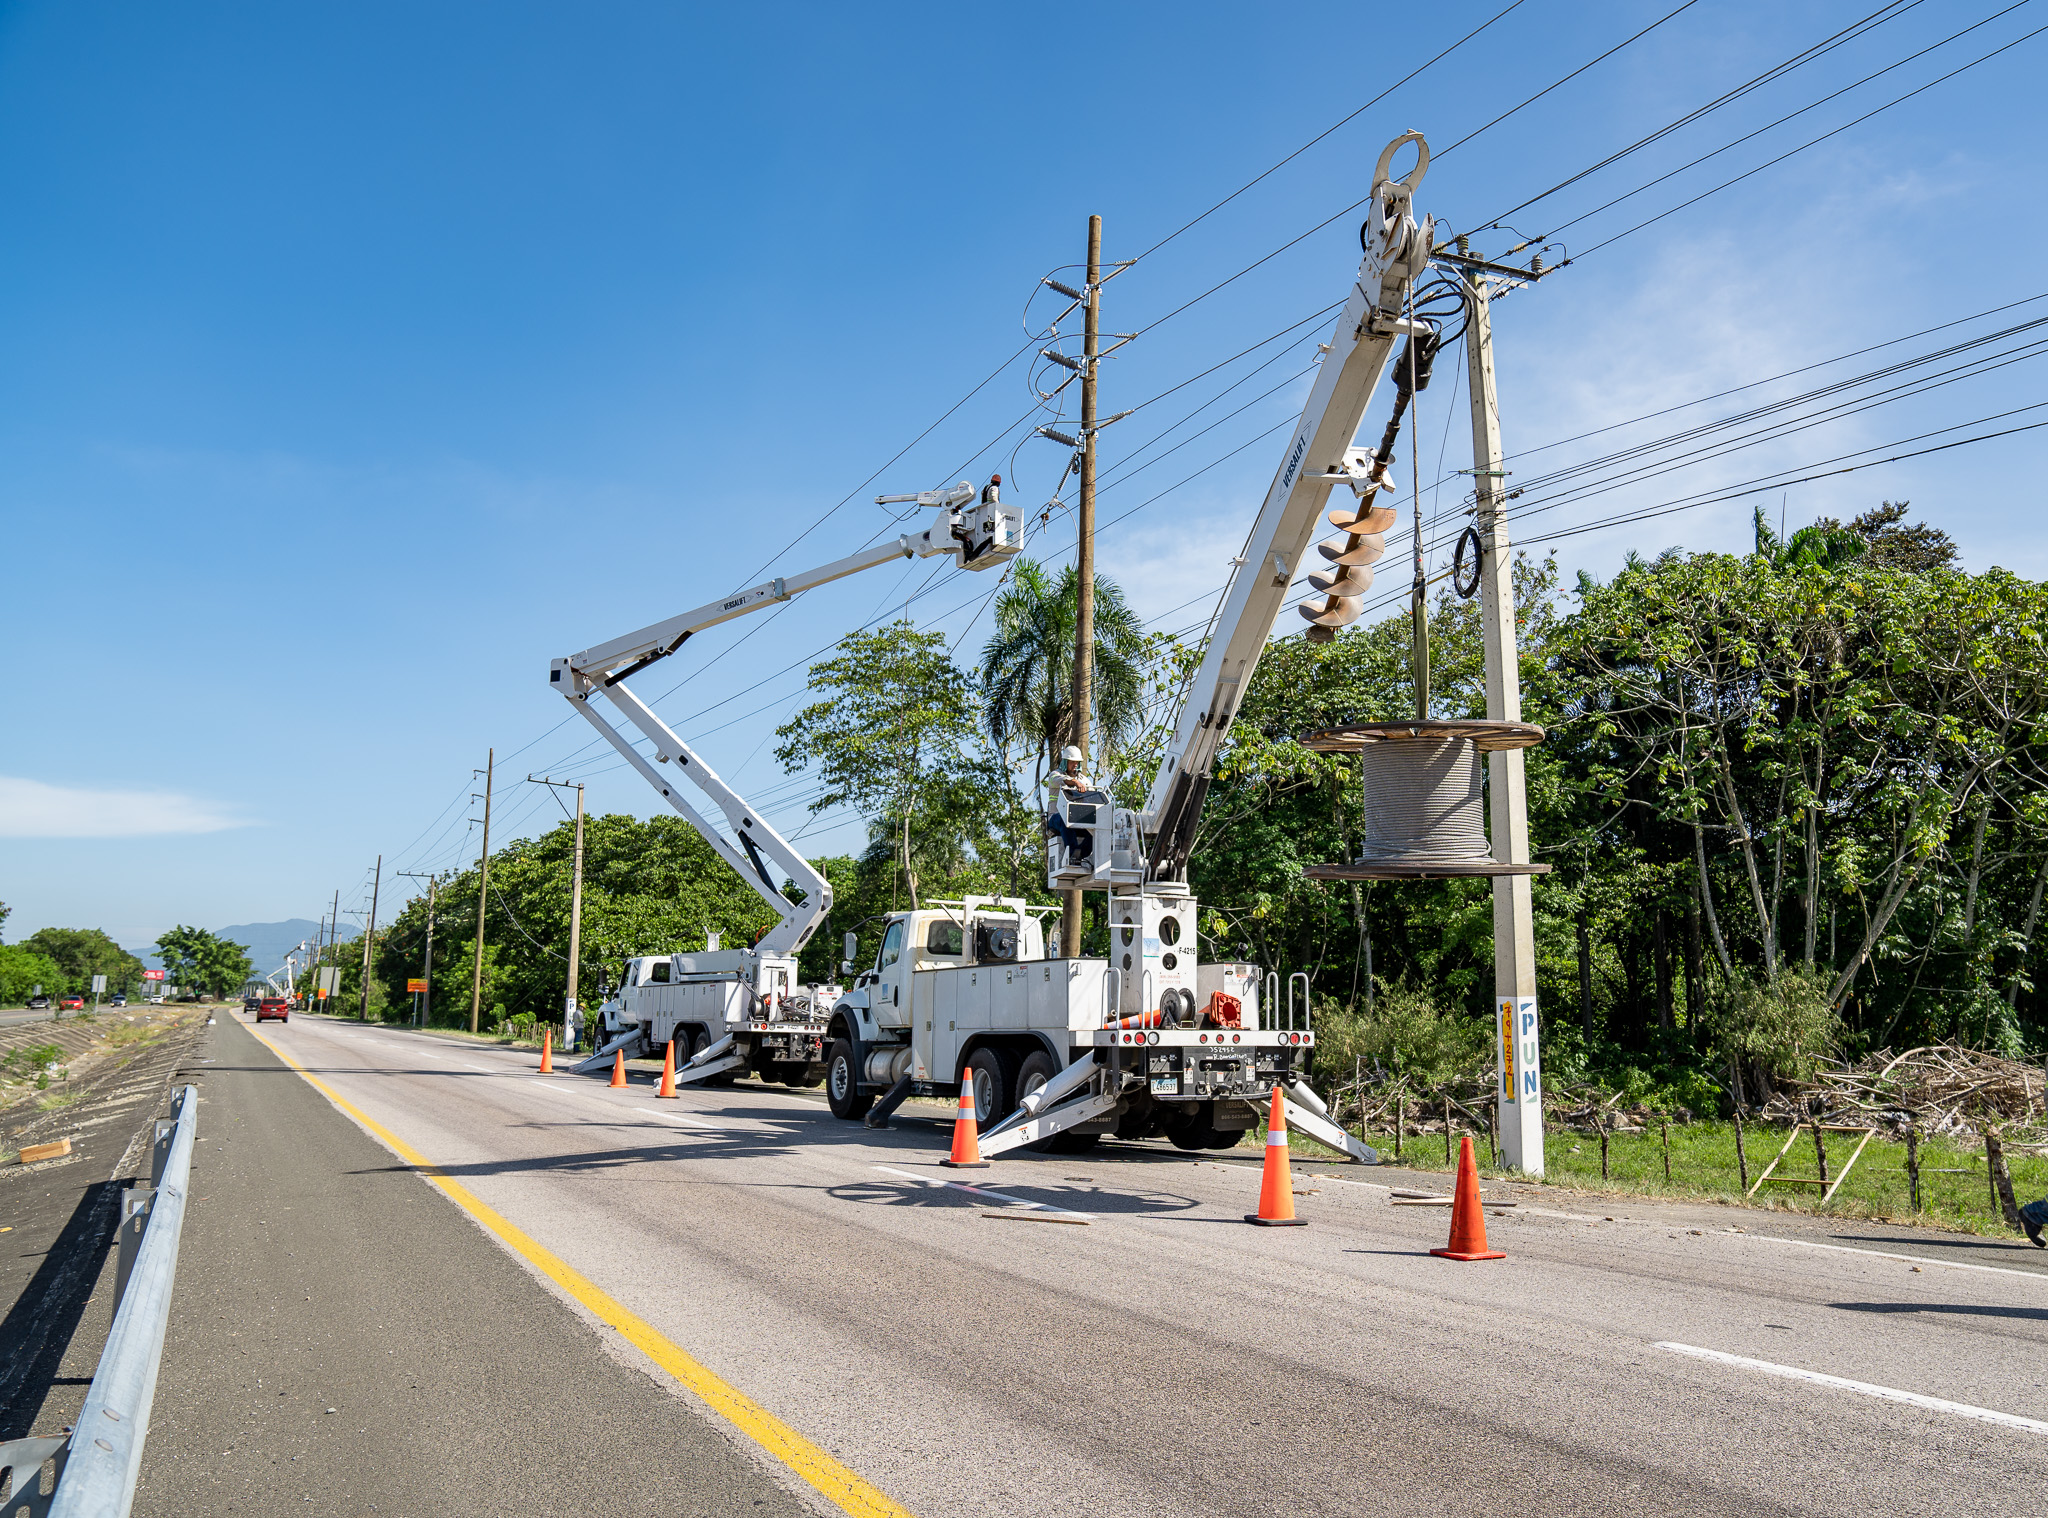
(1383, 172)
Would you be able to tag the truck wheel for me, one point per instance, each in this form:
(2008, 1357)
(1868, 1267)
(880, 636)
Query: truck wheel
(842, 1084)
(1036, 1070)
(697, 1046)
(1196, 1133)
(989, 1071)
(795, 1074)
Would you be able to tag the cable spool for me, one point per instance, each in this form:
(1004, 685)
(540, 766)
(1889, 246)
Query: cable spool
(1424, 797)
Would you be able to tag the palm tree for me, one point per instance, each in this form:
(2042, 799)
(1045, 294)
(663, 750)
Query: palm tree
(1027, 668)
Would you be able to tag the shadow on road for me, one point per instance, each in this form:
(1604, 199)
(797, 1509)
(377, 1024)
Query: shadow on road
(1964, 1309)
(38, 1329)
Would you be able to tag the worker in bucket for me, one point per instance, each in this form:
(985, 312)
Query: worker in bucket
(1068, 779)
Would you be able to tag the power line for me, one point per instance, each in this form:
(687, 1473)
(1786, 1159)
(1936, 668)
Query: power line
(1889, 12)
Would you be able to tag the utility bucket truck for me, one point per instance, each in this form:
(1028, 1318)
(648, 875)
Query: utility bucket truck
(1151, 1040)
(729, 1011)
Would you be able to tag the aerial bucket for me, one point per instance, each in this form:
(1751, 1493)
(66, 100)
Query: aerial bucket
(1425, 798)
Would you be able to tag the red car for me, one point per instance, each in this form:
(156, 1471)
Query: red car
(72, 1003)
(274, 1006)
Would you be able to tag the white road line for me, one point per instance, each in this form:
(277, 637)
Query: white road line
(677, 1117)
(1015, 1201)
(1885, 1254)
(1883, 1393)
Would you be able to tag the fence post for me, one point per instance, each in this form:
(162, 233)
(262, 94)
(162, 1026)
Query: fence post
(1913, 1162)
(2002, 1202)
(1741, 1156)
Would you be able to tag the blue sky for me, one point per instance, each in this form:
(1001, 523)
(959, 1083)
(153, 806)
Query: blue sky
(356, 361)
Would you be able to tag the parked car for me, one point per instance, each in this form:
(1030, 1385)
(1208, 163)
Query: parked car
(72, 1003)
(39, 1003)
(274, 1006)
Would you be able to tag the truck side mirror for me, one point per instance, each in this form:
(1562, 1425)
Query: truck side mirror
(852, 949)
(845, 967)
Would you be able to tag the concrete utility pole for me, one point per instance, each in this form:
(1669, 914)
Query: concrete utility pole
(333, 955)
(1520, 1093)
(427, 1006)
(1084, 559)
(483, 887)
(1418, 595)
(575, 909)
(369, 943)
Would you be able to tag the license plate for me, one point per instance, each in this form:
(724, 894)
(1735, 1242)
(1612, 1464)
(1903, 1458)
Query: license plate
(1166, 1085)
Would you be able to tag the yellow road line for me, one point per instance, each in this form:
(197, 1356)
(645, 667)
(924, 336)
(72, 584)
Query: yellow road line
(839, 1485)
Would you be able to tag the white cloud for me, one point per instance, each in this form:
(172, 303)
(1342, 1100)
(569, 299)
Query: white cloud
(32, 809)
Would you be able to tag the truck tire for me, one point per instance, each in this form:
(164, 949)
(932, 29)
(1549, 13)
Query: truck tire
(989, 1071)
(842, 1084)
(698, 1045)
(1037, 1069)
(795, 1074)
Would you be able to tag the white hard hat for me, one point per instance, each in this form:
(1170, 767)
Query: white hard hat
(1070, 755)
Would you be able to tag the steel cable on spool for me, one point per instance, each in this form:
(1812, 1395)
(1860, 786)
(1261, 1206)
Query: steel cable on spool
(1422, 803)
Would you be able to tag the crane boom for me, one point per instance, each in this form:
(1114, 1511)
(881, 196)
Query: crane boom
(1319, 456)
(976, 533)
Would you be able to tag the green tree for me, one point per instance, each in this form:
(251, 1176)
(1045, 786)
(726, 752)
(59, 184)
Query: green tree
(195, 957)
(892, 736)
(649, 886)
(86, 952)
(1027, 667)
(22, 970)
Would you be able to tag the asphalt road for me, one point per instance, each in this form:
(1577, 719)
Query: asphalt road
(1162, 1359)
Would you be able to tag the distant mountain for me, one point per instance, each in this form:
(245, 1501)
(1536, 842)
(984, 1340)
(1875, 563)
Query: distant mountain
(267, 942)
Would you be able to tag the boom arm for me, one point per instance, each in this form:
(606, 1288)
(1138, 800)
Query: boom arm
(1319, 456)
(976, 533)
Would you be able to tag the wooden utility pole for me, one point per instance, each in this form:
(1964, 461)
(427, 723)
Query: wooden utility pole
(483, 886)
(427, 1006)
(575, 905)
(1084, 559)
(575, 921)
(370, 943)
(1520, 1094)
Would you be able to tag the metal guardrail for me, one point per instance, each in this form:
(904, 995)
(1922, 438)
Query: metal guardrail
(97, 1466)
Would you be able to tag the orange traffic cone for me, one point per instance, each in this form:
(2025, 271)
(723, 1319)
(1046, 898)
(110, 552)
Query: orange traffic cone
(1468, 1221)
(619, 1068)
(966, 1153)
(547, 1051)
(668, 1069)
(1276, 1186)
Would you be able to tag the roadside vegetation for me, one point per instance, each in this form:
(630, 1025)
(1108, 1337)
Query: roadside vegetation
(1793, 800)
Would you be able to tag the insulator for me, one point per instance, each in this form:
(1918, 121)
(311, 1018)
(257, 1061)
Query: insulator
(1346, 581)
(1061, 359)
(1359, 548)
(1372, 519)
(1059, 437)
(1324, 612)
(1067, 290)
